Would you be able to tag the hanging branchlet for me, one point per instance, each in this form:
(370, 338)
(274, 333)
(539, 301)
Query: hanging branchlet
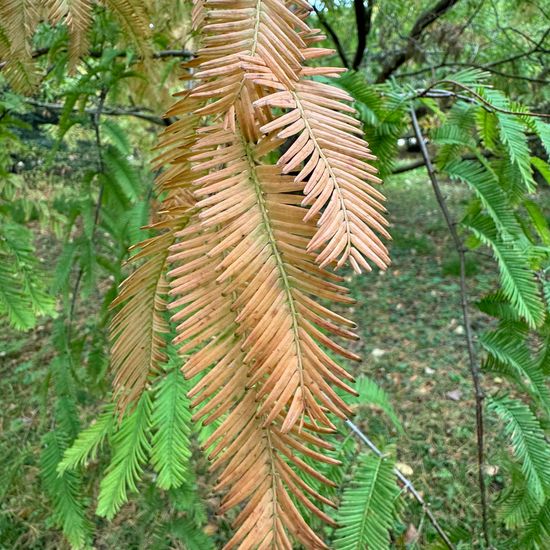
(250, 262)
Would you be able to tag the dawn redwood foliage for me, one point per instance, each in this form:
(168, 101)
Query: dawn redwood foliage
(265, 188)
(249, 233)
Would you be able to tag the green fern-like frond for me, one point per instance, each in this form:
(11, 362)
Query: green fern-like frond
(485, 185)
(512, 353)
(543, 131)
(23, 294)
(518, 281)
(497, 305)
(517, 504)
(89, 441)
(543, 167)
(487, 128)
(370, 393)
(528, 442)
(366, 513)
(171, 424)
(536, 535)
(65, 492)
(187, 532)
(471, 77)
(538, 221)
(450, 134)
(513, 137)
(383, 115)
(121, 175)
(131, 449)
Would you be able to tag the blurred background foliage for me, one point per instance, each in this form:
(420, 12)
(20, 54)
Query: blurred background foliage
(81, 99)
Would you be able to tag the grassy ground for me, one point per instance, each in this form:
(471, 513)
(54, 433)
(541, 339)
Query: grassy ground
(412, 343)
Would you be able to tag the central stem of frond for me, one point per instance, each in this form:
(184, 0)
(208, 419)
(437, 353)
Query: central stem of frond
(283, 277)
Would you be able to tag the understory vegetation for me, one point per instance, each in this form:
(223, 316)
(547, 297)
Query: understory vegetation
(203, 343)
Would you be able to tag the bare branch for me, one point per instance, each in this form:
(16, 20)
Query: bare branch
(110, 111)
(474, 367)
(406, 483)
(334, 37)
(162, 54)
(480, 98)
(363, 20)
(421, 24)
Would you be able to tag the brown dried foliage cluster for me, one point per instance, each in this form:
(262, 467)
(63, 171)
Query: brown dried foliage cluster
(19, 20)
(248, 243)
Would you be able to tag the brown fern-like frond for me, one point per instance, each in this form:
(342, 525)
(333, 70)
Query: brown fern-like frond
(329, 154)
(139, 329)
(257, 460)
(77, 15)
(245, 282)
(18, 19)
(267, 257)
(236, 31)
(133, 18)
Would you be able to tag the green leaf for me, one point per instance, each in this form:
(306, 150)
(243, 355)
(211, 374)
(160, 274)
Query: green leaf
(514, 355)
(117, 136)
(121, 174)
(23, 283)
(543, 167)
(518, 280)
(537, 532)
(512, 135)
(366, 513)
(171, 422)
(65, 492)
(187, 532)
(540, 223)
(528, 442)
(517, 505)
(131, 449)
(543, 131)
(88, 441)
(485, 185)
(497, 305)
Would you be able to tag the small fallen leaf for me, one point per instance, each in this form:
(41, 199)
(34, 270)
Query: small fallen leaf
(490, 469)
(455, 395)
(411, 535)
(405, 469)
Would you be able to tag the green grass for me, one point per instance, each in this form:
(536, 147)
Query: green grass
(412, 343)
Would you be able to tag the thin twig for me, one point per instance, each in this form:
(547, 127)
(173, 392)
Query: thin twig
(406, 483)
(425, 19)
(96, 120)
(332, 33)
(109, 111)
(474, 368)
(480, 98)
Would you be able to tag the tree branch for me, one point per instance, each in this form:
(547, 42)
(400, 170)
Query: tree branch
(421, 24)
(330, 31)
(537, 48)
(111, 111)
(363, 21)
(162, 54)
(477, 96)
(406, 483)
(474, 368)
